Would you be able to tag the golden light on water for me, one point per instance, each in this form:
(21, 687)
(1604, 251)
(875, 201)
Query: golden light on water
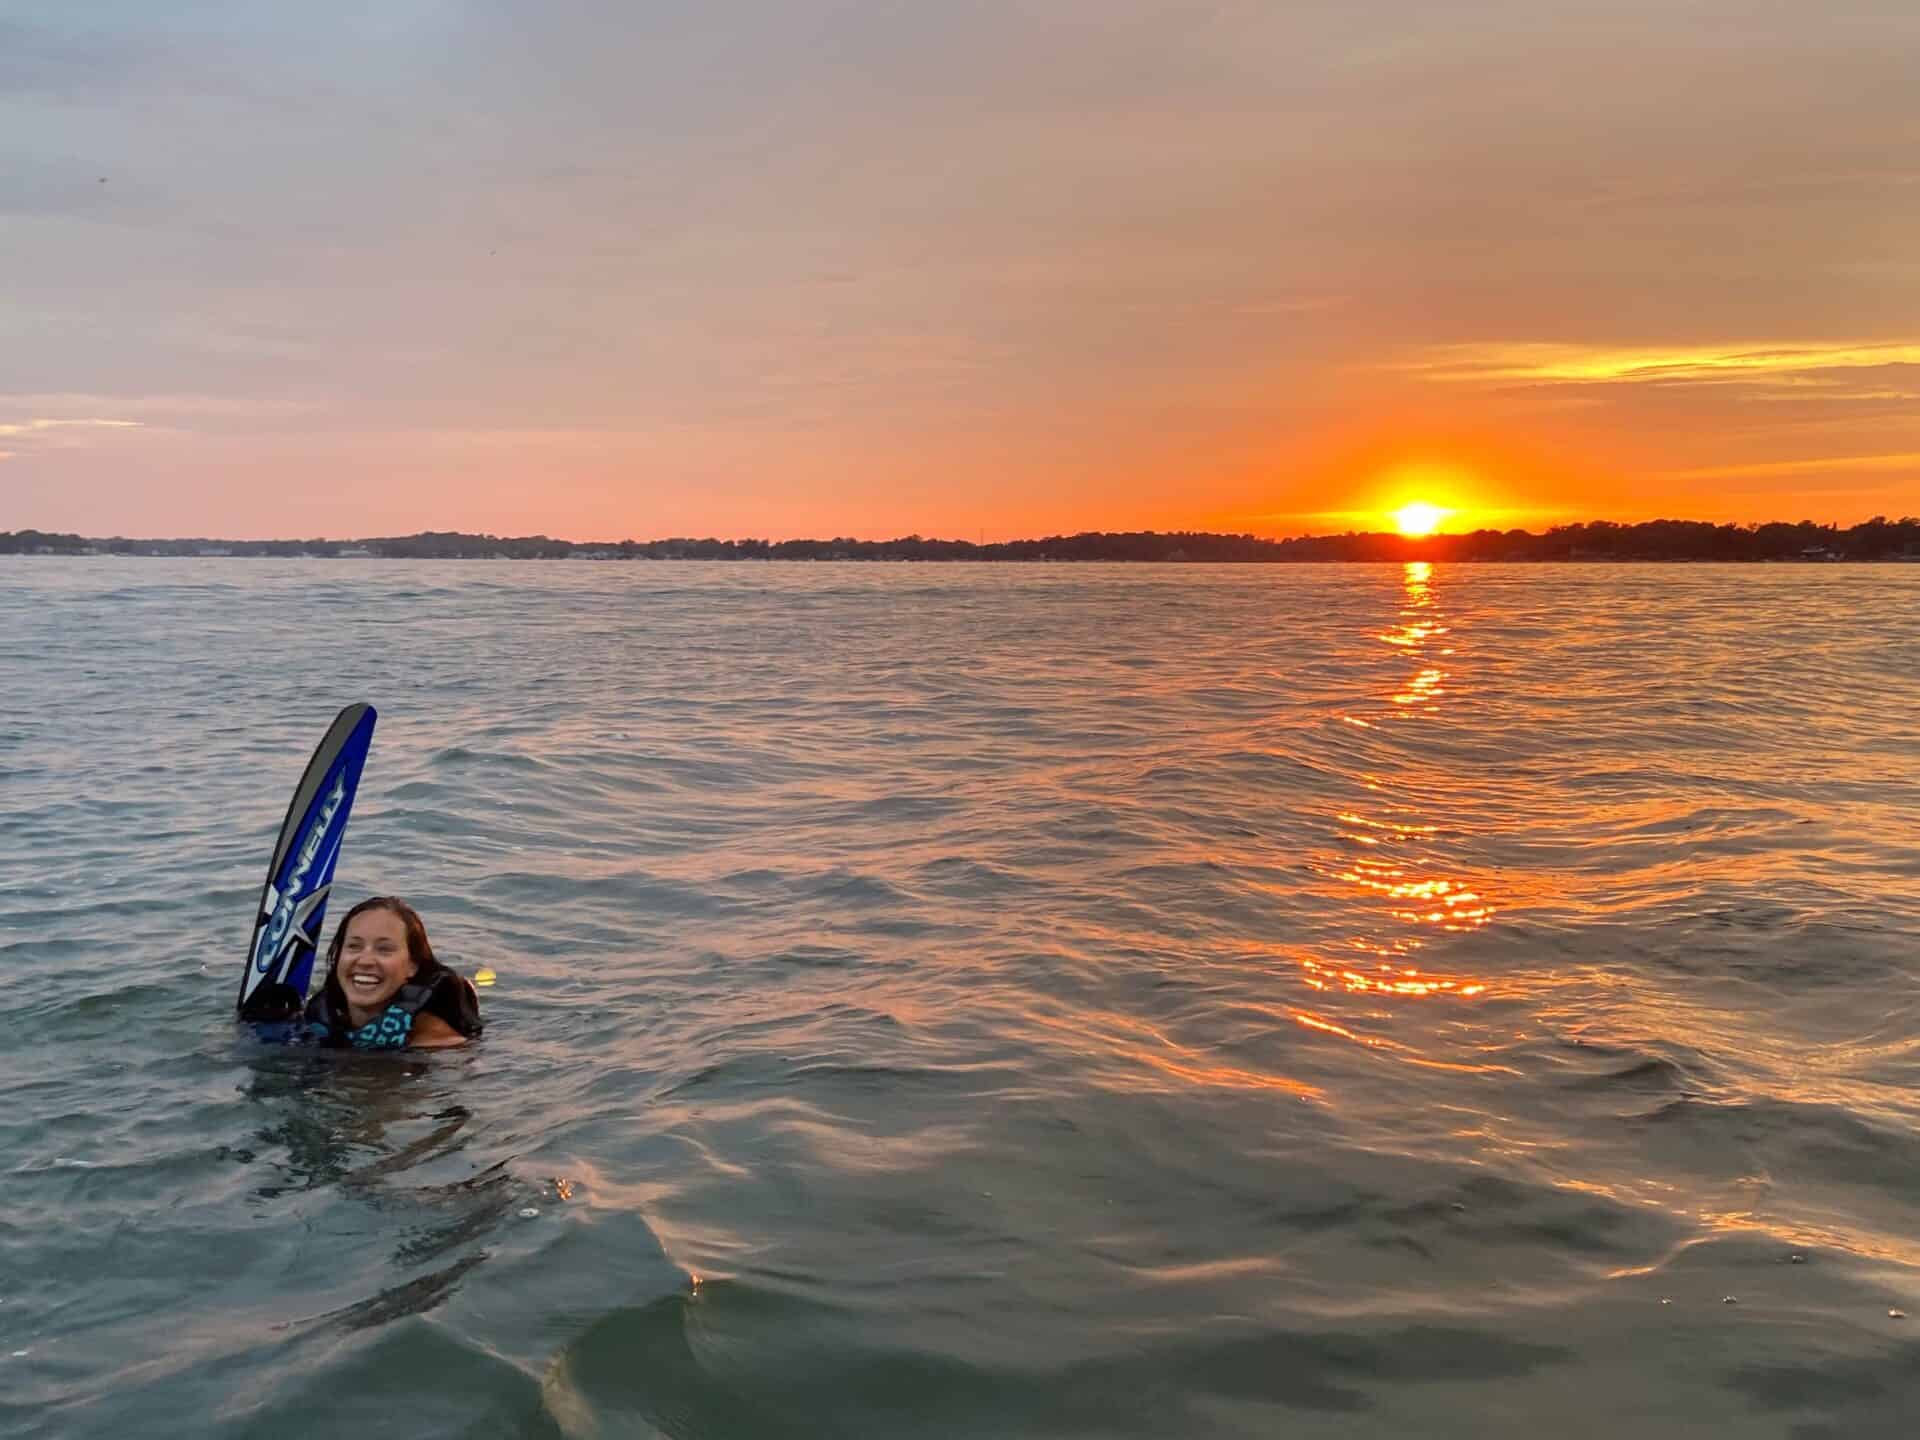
(1107, 1037)
(1418, 629)
(1419, 899)
(1389, 850)
(1308, 1020)
(1395, 974)
(1422, 687)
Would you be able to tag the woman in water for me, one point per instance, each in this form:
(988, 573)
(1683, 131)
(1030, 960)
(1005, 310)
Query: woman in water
(384, 989)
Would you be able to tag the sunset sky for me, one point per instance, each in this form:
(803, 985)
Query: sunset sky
(608, 268)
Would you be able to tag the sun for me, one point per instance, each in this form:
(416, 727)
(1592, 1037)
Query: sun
(1417, 518)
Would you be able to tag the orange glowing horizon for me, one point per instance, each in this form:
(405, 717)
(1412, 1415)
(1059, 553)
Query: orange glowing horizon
(1420, 519)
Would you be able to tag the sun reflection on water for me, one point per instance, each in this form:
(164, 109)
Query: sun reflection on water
(1420, 627)
(1390, 855)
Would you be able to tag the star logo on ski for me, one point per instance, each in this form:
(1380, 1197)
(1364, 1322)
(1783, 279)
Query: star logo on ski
(303, 912)
(297, 932)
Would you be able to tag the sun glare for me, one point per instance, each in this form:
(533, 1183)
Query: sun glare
(1417, 517)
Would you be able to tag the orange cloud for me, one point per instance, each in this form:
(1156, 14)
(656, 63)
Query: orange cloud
(1541, 363)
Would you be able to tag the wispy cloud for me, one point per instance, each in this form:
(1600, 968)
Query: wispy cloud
(36, 427)
(1905, 462)
(44, 433)
(1544, 363)
(70, 404)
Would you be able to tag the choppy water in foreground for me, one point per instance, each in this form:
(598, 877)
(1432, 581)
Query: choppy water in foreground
(976, 1001)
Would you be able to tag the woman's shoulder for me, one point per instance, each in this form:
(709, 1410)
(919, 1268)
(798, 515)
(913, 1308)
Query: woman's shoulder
(453, 1003)
(430, 1032)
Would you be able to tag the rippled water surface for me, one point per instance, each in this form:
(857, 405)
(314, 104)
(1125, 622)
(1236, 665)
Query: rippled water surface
(981, 1001)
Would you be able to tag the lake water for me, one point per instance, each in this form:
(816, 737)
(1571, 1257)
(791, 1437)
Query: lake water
(976, 1001)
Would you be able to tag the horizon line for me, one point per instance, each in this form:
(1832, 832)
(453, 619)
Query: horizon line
(918, 539)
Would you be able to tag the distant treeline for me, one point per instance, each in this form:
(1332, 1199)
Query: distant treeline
(1876, 539)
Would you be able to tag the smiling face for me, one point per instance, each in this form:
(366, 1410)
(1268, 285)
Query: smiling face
(374, 962)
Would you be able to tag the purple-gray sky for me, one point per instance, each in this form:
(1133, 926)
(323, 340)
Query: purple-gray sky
(755, 268)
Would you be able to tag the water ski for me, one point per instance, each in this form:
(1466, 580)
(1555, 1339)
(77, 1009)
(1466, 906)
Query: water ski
(293, 905)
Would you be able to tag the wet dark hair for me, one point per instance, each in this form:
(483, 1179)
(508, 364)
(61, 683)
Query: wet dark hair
(419, 950)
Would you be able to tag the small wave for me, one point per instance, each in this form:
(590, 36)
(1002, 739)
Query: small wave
(851, 889)
(1653, 1074)
(699, 1378)
(461, 756)
(817, 957)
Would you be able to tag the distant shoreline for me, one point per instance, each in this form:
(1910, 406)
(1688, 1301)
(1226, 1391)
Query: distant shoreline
(1874, 541)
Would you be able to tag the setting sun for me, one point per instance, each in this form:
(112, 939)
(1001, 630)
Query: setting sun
(1417, 518)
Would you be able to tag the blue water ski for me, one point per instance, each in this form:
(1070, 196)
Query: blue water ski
(294, 903)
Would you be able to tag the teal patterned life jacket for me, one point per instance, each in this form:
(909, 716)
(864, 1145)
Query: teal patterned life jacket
(386, 1031)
